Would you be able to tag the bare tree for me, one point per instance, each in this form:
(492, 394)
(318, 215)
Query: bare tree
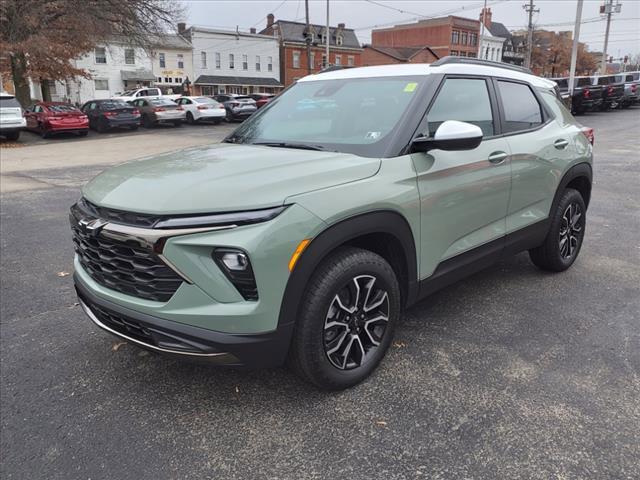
(40, 39)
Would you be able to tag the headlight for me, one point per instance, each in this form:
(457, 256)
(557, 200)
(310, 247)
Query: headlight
(235, 218)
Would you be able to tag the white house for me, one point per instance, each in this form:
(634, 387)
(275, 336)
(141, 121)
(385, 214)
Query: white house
(491, 40)
(172, 63)
(233, 62)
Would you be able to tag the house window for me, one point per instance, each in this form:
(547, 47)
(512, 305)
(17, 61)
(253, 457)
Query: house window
(351, 60)
(52, 87)
(203, 59)
(338, 59)
(454, 53)
(339, 40)
(100, 54)
(313, 60)
(162, 60)
(455, 37)
(232, 63)
(129, 56)
(473, 39)
(217, 59)
(245, 62)
(296, 59)
(167, 79)
(257, 63)
(269, 64)
(471, 54)
(101, 84)
(159, 79)
(180, 61)
(324, 60)
(464, 37)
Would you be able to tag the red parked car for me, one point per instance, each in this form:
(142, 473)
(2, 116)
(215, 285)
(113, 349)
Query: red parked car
(262, 98)
(47, 118)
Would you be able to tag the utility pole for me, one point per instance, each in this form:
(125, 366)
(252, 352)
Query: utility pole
(328, 36)
(574, 50)
(608, 8)
(484, 12)
(531, 10)
(308, 37)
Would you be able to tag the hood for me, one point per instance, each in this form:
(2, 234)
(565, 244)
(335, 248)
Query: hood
(223, 177)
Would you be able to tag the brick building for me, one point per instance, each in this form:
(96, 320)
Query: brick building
(344, 48)
(444, 36)
(373, 55)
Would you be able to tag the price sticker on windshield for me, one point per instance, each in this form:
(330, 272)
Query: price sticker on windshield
(410, 87)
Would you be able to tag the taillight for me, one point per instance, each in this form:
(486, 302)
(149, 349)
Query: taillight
(234, 104)
(179, 108)
(159, 109)
(110, 114)
(587, 93)
(609, 90)
(202, 107)
(221, 106)
(54, 118)
(634, 88)
(135, 111)
(588, 132)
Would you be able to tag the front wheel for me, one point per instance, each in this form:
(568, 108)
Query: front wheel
(348, 315)
(190, 119)
(564, 239)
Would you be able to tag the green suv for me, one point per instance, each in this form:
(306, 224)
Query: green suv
(353, 194)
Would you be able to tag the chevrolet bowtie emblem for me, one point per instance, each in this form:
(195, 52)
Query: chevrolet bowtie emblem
(92, 227)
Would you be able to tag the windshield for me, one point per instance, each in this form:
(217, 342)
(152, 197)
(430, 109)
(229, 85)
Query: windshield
(355, 115)
(160, 102)
(205, 100)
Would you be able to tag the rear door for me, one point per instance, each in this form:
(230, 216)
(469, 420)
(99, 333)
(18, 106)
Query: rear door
(463, 194)
(540, 150)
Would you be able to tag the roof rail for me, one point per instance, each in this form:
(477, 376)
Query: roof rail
(333, 68)
(479, 61)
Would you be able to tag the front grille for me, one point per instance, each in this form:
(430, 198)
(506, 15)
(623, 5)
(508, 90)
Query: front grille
(134, 219)
(125, 267)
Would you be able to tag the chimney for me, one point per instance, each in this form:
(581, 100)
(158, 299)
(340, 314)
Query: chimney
(270, 20)
(485, 17)
(182, 27)
(252, 30)
(341, 25)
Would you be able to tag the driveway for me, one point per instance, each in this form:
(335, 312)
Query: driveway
(512, 373)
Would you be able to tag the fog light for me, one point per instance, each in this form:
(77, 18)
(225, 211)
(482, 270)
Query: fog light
(236, 266)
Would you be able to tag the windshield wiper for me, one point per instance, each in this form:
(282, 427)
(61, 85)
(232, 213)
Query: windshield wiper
(301, 146)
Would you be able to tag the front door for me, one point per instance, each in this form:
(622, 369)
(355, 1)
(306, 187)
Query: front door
(463, 194)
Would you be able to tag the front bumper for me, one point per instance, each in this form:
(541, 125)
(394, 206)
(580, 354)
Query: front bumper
(184, 341)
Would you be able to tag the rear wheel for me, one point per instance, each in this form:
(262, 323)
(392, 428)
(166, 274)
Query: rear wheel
(83, 133)
(147, 122)
(190, 119)
(134, 127)
(103, 126)
(564, 240)
(177, 123)
(347, 318)
(13, 136)
(217, 121)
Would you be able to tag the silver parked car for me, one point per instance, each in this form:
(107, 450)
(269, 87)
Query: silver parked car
(11, 118)
(159, 110)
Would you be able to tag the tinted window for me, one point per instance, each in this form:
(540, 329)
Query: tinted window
(9, 102)
(204, 100)
(160, 102)
(113, 105)
(521, 109)
(62, 108)
(562, 82)
(583, 82)
(465, 100)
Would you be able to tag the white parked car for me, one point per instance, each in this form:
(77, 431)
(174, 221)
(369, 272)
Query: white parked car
(145, 92)
(202, 109)
(11, 118)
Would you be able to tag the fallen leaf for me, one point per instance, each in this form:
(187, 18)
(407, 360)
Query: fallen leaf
(63, 274)
(74, 304)
(116, 346)
(399, 344)
(381, 423)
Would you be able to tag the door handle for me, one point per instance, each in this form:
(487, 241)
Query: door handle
(561, 144)
(497, 157)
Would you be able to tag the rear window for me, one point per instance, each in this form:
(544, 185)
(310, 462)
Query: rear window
(584, 82)
(605, 80)
(521, 108)
(113, 105)
(9, 102)
(160, 102)
(204, 100)
(61, 108)
(562, 82)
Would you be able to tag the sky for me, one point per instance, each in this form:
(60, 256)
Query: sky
(363, 15)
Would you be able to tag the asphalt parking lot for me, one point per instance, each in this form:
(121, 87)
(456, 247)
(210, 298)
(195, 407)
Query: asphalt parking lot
(512, 373)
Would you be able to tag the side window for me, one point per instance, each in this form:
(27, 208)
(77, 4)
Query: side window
(142, 93)
(38, 109)
(521, 108)
(465, 100)
(92, 106)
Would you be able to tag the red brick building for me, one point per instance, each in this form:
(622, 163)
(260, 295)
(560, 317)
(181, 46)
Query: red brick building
(444, 36)
(373, 55)
(344, 48)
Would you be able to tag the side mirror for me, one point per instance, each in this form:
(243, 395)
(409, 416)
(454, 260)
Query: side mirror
(451, 135)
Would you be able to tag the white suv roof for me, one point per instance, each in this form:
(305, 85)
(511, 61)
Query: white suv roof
(417, 69)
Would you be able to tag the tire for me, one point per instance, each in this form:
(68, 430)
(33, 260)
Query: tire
(134, 128)
(146, 121)
(566, 233)
(13, 136)
(331, 356)
(217, 121)
(177, 123)
(83, 133)
(103, 127)
(190, 119)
